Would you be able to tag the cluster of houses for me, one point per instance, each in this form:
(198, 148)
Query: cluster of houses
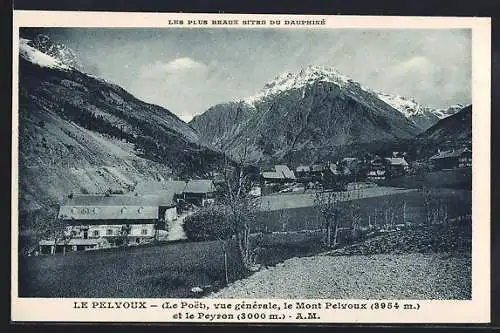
(345, 170)
(352, 169)
(109, 220)
(452, 159)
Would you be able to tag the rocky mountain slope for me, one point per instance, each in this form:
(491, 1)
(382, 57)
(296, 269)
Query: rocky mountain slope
(81, 134)
(314, 108)
(457, 127)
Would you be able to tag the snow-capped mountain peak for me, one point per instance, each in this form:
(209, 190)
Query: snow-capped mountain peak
(307, 75)
(407, 106)
(56, 50)
(31, 54)
(443, 113)
(422, 116)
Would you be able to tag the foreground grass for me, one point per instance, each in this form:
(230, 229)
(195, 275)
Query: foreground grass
(168, 270)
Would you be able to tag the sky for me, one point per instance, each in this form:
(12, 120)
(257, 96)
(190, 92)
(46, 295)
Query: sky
(188, 70)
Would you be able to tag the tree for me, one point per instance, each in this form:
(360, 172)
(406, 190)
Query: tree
(284, 219)
(328, 206)
(355, 215)
(60, 232)
(211, 222)
(436, 208)
(241, 206)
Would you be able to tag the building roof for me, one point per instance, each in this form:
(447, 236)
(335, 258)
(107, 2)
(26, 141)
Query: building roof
(350, 159)
(396, 161)
(162, 198)
(285, 170)
(115, 207)
(272, 175)
(333, 168)
(303, 168)
(200, 186)
(108, 212)
(450, 153)
(175, 186)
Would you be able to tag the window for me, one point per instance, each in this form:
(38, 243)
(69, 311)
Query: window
(144, 231)
(109, 232)
(96, 233)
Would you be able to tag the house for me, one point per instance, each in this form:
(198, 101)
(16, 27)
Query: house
(317, 171)
(335, 176)
(94, 220)
(303, 171)
(396, 166)
(450, 159)
(151, 187)
(350, 162)
(271, 177)
(199, 192)
(285, 170)
(281, 174)
(377, 174)
(377, 169)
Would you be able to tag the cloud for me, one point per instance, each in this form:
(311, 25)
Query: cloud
(179, 66)
(414, 65)
(183, 85)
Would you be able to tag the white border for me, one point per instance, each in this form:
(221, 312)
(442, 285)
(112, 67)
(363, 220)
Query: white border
(475, 311)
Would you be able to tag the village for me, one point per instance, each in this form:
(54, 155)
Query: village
(155, 210)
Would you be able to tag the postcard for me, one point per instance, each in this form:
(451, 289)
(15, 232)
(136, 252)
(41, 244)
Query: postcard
(236, 168)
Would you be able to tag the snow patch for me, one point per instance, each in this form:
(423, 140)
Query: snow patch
(37, 57)
(291, 81)
(408, 107)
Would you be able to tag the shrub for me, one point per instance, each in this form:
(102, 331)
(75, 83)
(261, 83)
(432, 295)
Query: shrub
(209, 223)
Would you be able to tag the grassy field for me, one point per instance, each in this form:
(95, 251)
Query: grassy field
(372, 210)
(297, 200)
(167, 270)
(456, 178)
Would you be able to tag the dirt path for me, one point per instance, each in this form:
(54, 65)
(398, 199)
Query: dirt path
(175, 229)
(385, 276)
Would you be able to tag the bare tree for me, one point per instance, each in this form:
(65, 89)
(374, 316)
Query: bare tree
(241, 206)
(284, 219)
(428, 204)
(436, 208)
(327, 204)
(355, 212)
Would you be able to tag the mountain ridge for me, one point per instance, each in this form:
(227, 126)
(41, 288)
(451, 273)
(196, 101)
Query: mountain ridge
(422, 116)
(315, 107)
(81, 134)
